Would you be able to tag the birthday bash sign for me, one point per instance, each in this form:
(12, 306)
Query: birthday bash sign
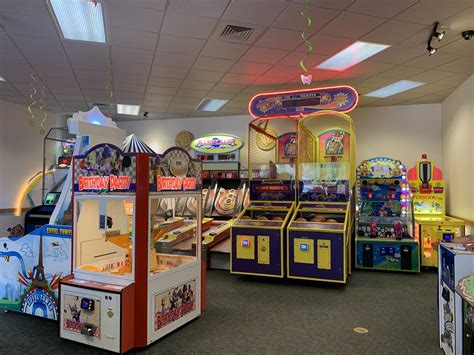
(105, 168)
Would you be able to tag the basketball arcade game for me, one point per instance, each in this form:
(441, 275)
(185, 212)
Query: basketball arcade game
(432, 226)
(126, 291)
(32, 265)
(319, 233)
(259, 233)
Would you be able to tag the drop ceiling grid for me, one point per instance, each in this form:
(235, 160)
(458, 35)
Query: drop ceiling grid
(138, 74)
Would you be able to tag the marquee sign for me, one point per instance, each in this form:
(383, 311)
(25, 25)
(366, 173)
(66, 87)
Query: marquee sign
(303, 102)
(216, 144)
(105, 168)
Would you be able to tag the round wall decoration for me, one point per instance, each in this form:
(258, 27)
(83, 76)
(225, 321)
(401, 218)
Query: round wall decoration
(184, 139)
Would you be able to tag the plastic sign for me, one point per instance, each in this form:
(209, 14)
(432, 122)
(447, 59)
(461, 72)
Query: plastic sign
(216, 144)
(176, 183)
(303, 102)
(99, 183)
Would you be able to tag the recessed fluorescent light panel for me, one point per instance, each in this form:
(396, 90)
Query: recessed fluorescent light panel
(2, 78)
(395, 88)
(355, 53)
(80, 20)
(132, 110)
(211, 104)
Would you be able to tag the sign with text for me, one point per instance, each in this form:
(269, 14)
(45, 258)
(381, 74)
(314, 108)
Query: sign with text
(216, 144)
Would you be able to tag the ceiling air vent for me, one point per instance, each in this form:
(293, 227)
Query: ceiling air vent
(237, 32)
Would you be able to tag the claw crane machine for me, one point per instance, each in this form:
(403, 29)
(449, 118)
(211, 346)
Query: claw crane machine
(126, 291)
(319, 232)
(432, 225)
(259, 237)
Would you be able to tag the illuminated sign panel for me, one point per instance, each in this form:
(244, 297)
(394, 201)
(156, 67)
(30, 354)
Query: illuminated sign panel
(217, 143)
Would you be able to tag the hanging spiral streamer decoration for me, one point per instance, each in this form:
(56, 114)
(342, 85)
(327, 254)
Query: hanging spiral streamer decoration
(109, 86)
(42, 107)
(306, 77)
(33, 100)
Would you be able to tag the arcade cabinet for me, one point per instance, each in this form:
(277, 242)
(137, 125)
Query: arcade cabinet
(456, 261)
(385, 239)
(432, 225)
(48, 248)
(465, 289)
(126, 290)
(319, 233)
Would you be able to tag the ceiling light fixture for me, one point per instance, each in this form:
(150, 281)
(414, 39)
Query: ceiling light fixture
(132, 110)
(467, 35)
(80, 20)
(435, 34)
(352, 55)
(395, 88)
(2, 78)
(211, 104)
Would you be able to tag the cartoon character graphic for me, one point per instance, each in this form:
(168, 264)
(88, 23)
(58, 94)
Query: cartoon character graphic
(398, 229)
(75, 313)
(335, 144)
(373, 229)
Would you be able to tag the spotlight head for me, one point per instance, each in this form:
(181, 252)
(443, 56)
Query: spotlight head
(439, 35)
(145, 115)
(431, 50)
(467, 35)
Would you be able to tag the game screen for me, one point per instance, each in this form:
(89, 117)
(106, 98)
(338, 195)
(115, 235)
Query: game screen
(324, 182)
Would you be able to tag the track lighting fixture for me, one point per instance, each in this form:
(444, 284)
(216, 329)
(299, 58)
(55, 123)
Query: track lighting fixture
(435, 34)
(467, 35)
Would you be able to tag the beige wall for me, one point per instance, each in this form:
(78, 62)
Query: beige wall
(458, 149)
(21, 151)
(402, 132)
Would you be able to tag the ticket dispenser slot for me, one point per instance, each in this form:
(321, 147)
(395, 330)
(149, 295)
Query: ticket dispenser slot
(324, 254)
(245, 247)
(303, 251)
(263, 249)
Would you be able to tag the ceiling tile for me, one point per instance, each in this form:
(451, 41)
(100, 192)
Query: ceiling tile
(455, 80)
(238, 78)
(158, 104)
(431, 76)
(187, 100)
(158, 97)
(461, 21)
(284, 71)
(33, 26)
(270, 80)
(169, 72)
(429, 11)
(131, 79)
(430, 88)
(131, 55)
(393, 32)
(232, 88)
(462, 65)
(86, 55)
(213, 64)
(250, 68)
(432, 61)
(459, 47)
(197, 85)
(377, 82)
(129, 87)
(184, 45)
(261, 12)
(188, 26)
(264, 55)
(380, 8)
(245, 98)
(291, 19)
(204, 75)
(351, 25)
(428, 99)
(293, 59)
(6, 43)
(161, 90)
(191, 93)
(136, 18)
(147, 4)
(164, 82)
(206, 8)
(174, 59)
(330, 4)
(221, 49)
(136, 68)
(126, 37)
(402, 72)
(327, 45)
(369, 68)
(279, 39)
(221, 95)
(25, 7)
(91, 79)
(119, 95)
(398, 54)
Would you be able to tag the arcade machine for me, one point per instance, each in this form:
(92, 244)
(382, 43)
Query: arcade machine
(456, 261)
(385, 239)
(126, 291)
(31, 265)
(465, 289)
(429, 201)
(224, 192)
(319, 233)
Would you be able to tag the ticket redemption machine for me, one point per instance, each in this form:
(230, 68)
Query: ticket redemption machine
(319, 233)
(456, 261)
(432, 226)
(385, 239)
(32, 265)
(125, 292)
